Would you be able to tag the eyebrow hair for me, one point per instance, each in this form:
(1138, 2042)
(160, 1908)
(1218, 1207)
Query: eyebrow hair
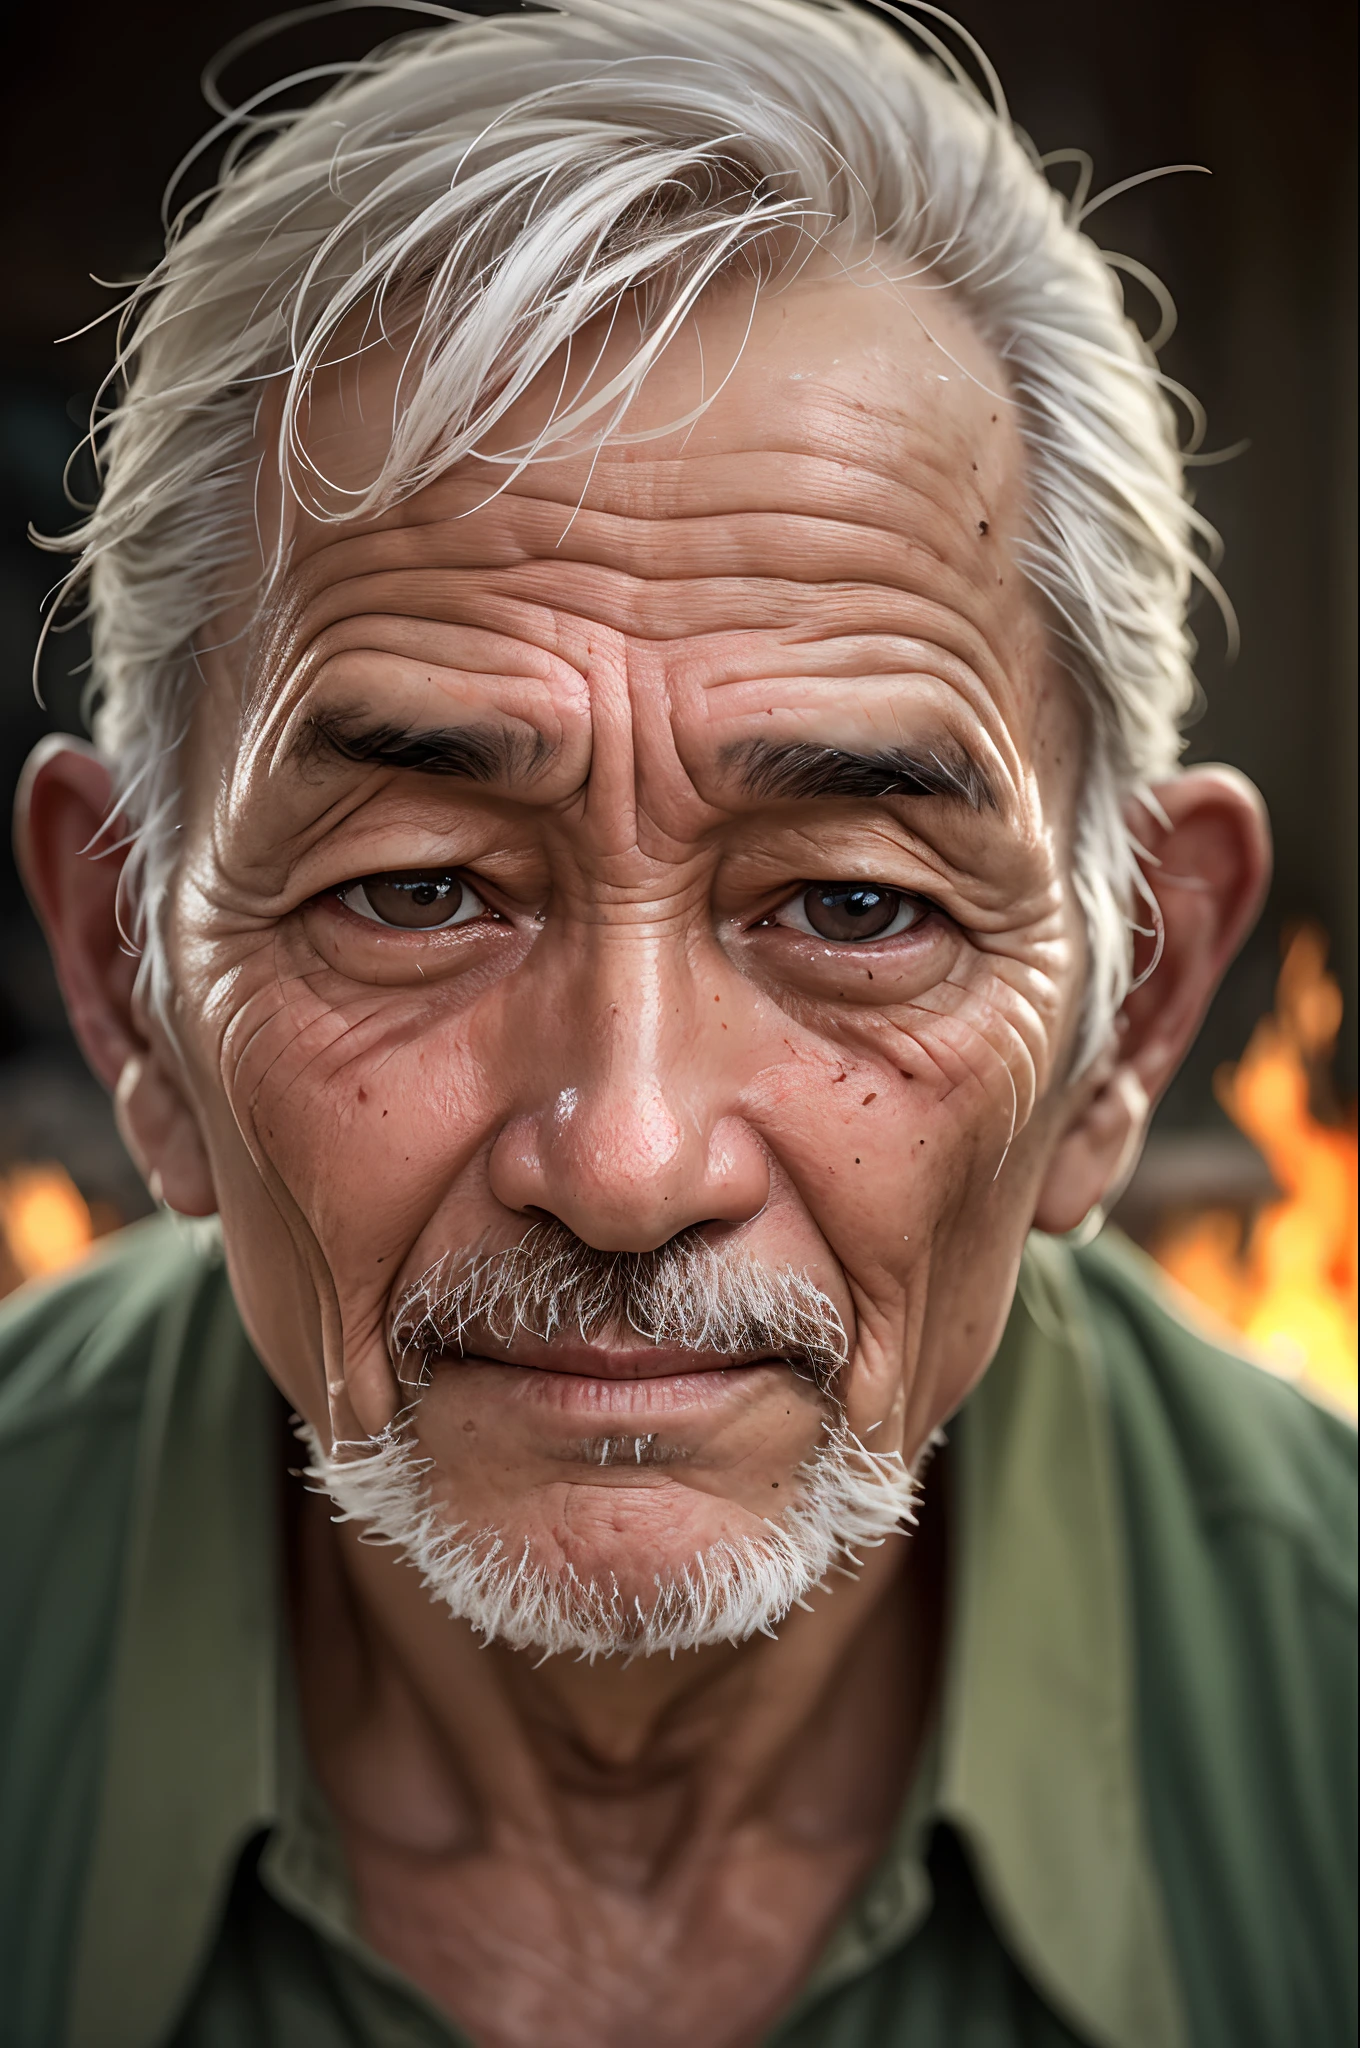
(798, 769)
(471, 753)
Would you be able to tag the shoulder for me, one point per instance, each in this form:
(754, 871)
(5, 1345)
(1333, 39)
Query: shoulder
(1236, 1444)
(78, 1360)
(76, 1356)
(77, 1347)
(1239, 1508)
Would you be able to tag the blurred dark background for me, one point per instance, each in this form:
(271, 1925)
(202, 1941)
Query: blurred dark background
(99, 104)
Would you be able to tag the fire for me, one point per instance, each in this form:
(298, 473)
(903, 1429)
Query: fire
(1287, 1281)
(44, 1222)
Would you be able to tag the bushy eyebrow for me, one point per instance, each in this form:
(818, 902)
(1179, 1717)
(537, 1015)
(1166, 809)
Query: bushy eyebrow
(798, 769)
(470, 753)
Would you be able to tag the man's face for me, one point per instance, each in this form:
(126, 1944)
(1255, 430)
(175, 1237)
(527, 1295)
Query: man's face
(677, 838)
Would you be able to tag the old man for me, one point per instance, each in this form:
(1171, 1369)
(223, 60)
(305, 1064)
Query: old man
(633, 870)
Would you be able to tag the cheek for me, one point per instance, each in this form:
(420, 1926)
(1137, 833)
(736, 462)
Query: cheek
(342, 1118)
(917, 1104)
(335, 1092)
(908, 1144)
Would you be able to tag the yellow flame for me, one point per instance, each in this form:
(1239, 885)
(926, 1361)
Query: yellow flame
(45, 1222)
(1288, 1282)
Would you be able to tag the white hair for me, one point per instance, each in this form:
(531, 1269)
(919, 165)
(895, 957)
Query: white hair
(843, 1499)
(494, 184)
(685, 1292)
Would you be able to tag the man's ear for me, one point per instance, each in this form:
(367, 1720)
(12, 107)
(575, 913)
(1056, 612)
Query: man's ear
(71, 864)
(1209, 871)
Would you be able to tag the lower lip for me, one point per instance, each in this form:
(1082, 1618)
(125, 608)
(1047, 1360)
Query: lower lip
(574, 1394)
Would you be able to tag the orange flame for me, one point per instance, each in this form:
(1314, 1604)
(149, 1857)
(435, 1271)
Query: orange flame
(1288, 1282)
(44, 1222)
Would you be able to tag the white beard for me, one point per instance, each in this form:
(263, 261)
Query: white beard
(845, 1497)
(686, 1294)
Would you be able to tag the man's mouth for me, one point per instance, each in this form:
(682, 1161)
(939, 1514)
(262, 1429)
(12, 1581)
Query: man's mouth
(572, 1375)
(580, 1358)
(555, 1321)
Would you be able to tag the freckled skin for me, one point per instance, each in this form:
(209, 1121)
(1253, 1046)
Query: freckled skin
(806, 564)
(633, 1039)
(630, 1047)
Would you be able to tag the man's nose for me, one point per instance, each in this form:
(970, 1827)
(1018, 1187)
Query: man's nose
(631, 1132)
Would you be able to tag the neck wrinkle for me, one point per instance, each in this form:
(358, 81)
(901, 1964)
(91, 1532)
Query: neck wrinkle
(610, 1767)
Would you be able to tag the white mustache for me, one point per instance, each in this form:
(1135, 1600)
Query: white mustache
(685, 1293)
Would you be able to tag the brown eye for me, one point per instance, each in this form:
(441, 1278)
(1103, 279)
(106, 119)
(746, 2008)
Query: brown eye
(850, 911)
(422, 902)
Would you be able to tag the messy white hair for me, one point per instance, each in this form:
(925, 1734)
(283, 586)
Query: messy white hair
(492, 185)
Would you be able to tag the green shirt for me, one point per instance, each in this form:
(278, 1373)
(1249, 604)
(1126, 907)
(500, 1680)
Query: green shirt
(1133, 1826)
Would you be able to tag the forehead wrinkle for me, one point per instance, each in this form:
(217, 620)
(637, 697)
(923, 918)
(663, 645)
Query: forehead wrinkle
(660, 610)
(418, 558)
(815, 614)
(760, 541)
(538, 631)
(839, 416)
(900, 496)
(640, 490)
(315, 637)
(526, 629)
(434, 524)
(518, 598)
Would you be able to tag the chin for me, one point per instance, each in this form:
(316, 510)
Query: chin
(635, 1565)
(635, 1535)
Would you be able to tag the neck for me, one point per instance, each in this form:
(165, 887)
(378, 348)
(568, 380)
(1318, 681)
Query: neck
(423, 1736)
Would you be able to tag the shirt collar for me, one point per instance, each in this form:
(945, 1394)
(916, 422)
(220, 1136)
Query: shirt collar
(190, 1770)
(1034, 1759)
(1039, 1761)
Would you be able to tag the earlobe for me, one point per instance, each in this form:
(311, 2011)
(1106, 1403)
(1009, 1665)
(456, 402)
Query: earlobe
(1098, 1151)
(159, 1131)
(1209, 866)
(71, 863)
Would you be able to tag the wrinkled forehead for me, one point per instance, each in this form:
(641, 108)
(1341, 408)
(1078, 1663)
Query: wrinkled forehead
(835, 465)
